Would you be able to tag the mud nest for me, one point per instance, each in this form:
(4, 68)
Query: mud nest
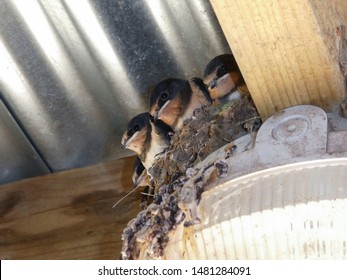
(176, 194)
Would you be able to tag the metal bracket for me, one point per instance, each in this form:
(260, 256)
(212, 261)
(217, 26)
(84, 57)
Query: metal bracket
(294, 132)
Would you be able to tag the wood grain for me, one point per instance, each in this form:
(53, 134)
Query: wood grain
(68, 215)
(286, 50)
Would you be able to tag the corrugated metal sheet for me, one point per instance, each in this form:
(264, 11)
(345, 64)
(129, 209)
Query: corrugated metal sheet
(18, 158)
(74, 72)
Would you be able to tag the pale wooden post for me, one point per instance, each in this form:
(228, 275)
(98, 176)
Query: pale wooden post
(286, 50)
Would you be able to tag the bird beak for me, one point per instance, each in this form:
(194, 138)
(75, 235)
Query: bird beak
(126, 141)
(124, 145)
(157, 113)
(212, 84)
(143, 179)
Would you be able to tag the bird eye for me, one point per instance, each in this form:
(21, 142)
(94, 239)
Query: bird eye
(222, 71)
(164, 95)
(136, 127)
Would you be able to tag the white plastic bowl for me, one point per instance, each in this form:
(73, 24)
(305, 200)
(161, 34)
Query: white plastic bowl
(296, 211)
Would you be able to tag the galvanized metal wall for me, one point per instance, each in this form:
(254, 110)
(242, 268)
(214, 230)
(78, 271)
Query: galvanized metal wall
(74, 72)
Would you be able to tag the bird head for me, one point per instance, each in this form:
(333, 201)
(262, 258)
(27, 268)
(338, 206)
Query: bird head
(168, 100)
(137, 132)
(222, 75)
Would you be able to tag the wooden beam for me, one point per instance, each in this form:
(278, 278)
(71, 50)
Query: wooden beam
(286, 50)
(68, 215)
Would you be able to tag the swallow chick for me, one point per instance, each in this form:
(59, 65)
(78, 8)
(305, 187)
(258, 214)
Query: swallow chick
(146, 137)
(174, 100)
(223, 78)
(141, 179)
(138, 172)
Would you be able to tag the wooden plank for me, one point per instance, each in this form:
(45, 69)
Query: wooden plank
(68, 215)
(286, 50)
